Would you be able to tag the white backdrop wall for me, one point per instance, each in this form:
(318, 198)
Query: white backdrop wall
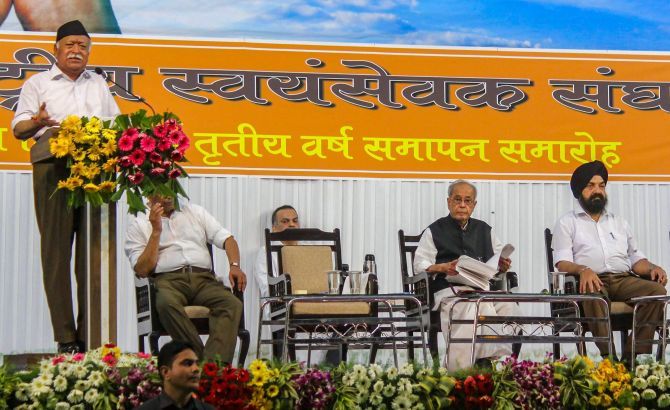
(369, 213)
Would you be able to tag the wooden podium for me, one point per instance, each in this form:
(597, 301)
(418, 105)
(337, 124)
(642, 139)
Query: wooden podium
(101, 300)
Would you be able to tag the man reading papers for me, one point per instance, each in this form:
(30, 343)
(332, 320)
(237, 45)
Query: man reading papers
(440, 249)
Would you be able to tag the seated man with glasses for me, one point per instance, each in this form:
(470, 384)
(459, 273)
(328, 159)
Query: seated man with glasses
(440, 246)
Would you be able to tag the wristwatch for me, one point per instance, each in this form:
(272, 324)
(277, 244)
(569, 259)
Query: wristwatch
(235, 264)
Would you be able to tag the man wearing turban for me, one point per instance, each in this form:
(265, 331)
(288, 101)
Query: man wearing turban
(598, 245)
(46, 99)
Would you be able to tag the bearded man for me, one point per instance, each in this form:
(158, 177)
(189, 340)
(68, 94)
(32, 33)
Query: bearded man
(598, 245)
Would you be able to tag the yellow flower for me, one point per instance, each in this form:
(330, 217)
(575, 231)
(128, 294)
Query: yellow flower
(78, 136)
(93, 125)
(109, 135)
(107, 186)
(257, 379)
(594, 400)
(110, 348)
(273, 390)
(60, 147)
(77, 168)
(72, 122)
(78, 155)
(110, 165)
(257, 366)
(91, 187)
(65, 185)
(109, 148)
(91, 171)
(74, 182)
(90, 138)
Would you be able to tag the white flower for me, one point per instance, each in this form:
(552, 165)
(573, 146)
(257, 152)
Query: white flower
(359, 371)
(652, 380)
(45, 366)
(78, 407)
(418, 406)
(46, 378)
(348, 380)
(639, 383)
(377, 369)
(401, 403)
(642, 370)
(442, 371)
(658, 369)
(82, 385)
(60, 383)
(66, 369)
(38, 389)
(378, 386)
(75, 396)
(423, 373)
(388, 391)
(80, 371)
(664, 383)
(404, 386)
(363, 384)
(61, 405)
(648, 394)
(376, 399)
(392, 373)
(22, 391)
(96, 378)
(92, 396)
(406, 370)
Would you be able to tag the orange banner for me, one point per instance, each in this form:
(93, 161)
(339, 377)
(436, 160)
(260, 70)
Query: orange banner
(312, 110)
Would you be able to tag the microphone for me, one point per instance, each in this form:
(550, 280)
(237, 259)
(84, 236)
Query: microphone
(104, 75)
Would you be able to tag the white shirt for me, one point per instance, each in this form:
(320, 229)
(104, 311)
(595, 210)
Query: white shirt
(426, 251)
(183, 239)
(603, 246)
(88, 95)
(261, 271)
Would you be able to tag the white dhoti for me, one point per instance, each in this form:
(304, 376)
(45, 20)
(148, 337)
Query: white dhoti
(459, 353)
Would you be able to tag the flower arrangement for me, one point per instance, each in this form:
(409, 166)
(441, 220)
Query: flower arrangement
(272, 384)
(150, 150)
(8, 383)
(651, 385)
(576, 386)
(89, 145)
(225, 387)
(67, 381)
(399, 388)
(614, 386)
(475, 392)
(135, 377)
(532, 383)
(315, 389)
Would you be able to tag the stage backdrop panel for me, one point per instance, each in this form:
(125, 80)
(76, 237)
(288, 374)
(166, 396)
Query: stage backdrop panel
(262, 108)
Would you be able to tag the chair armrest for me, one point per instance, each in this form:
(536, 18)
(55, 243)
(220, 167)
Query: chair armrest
(419, 286)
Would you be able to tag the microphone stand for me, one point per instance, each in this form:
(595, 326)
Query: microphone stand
(104, 75)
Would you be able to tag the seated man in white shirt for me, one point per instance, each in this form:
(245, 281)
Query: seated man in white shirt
(170, 247)
(441, 244)
(599, 246)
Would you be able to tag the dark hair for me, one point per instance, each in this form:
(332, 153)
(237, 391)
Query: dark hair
(281, 208)
(170, 350)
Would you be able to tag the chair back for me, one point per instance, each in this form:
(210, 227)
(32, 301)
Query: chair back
(306, 266)
(407, 246)
(549, 253)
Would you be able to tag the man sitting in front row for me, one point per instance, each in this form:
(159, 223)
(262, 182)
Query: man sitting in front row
(440, 246)
(599, 246)
(170, 247)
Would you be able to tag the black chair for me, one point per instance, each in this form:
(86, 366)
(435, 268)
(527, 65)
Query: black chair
(621, 314)
(149, 325)
(418, 285)
(302, 267)
(415, 283)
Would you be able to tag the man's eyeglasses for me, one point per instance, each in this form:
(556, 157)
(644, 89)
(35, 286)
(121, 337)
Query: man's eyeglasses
(464, 201)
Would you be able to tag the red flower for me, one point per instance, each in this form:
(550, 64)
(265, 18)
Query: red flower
(57, 359)
(78, 357)
(147, 143)
(126, 143)
(143, 355)
(176, 155)
(155, 157)
(171, 125)
(470, 386)
(131, 133)
(484, 383)
(157, 172)
(210, 369)
(164, 144)
(244, 376)
(110, 359)
(166, 164)
(125, 161)
(138, 157)
(160, 130)
(136, 178)
(472, 402)
(184, 143)
(175, 173)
